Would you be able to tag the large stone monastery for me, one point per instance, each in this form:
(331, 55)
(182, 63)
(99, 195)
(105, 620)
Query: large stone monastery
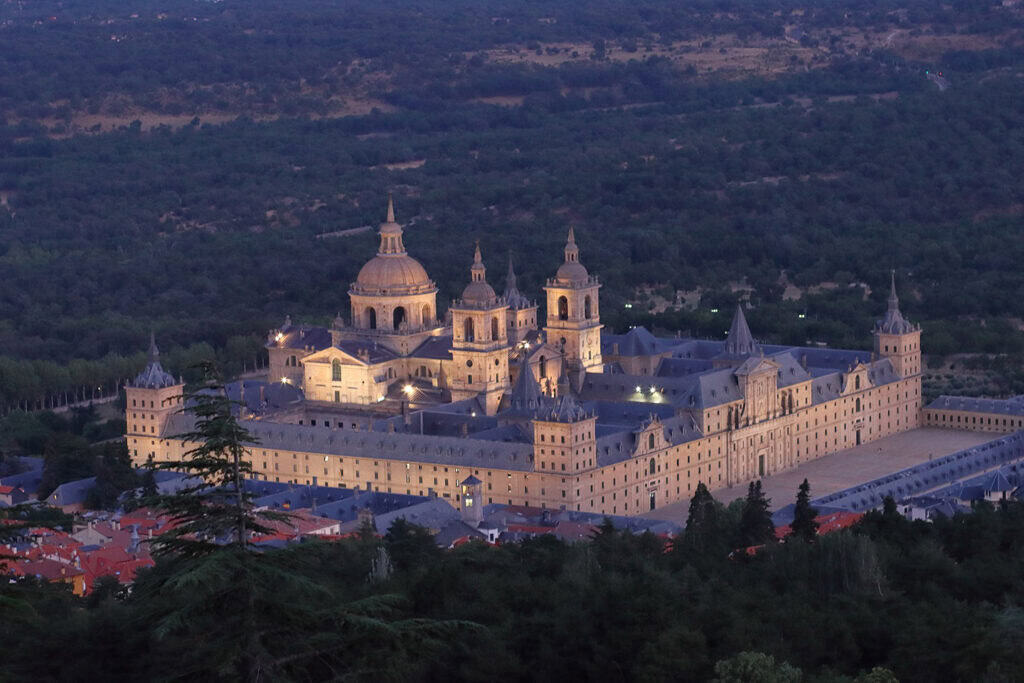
(488, 405)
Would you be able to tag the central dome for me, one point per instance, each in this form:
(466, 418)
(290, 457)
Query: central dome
(392, 272)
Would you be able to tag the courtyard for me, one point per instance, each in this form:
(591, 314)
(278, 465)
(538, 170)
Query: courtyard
(846, 468)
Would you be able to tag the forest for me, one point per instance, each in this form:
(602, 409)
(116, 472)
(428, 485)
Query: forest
(827, 164)
(888, 600)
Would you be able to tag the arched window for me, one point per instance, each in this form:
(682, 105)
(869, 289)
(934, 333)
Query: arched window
(494, 328)
(650, 444)
(391, 373)
(586, 307)
(427, 316)
(467, 329)
(336, 370)
(858, 405)
(563, 308)
(543, 368)
(371, 318)
(399, 317)
(652, 460)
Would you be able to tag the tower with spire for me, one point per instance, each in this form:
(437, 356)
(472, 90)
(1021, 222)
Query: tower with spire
(152, 397)
(573, 313)
(898, 339)
(522, 313)
(480, 341)
(739, 344)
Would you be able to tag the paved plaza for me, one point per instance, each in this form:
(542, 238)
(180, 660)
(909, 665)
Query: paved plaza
(847, 468)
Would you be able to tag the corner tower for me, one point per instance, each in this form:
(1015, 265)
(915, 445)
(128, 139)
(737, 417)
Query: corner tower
(897, 339)
(150, 400)
(480, 342)
(573, 314)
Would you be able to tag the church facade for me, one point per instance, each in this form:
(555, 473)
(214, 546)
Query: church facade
(565, 416)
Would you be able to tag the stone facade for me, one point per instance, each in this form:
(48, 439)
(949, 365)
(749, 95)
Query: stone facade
(564, 417)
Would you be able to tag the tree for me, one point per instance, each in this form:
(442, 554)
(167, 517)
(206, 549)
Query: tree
(756, 525)
(804, 525)
(702, 522)
(263, 618)
(755, 667)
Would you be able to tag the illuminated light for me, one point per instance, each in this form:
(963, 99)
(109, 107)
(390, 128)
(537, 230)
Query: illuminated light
(473, 414)
(802, 316)
(285, 380)
(409, 390)
(278, 337)
(380, 398)
(639, 388)
(714, 310)
(629, 305)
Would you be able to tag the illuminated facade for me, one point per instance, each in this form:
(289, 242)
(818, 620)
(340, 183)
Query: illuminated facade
(565, 416)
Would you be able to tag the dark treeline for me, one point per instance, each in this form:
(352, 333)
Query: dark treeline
(925, 601)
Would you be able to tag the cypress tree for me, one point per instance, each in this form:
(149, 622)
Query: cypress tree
(756, 521)
(804, 525)
(703, 523)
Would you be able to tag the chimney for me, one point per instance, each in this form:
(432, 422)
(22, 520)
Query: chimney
(615, 348)
(463, 430)
(262, 394)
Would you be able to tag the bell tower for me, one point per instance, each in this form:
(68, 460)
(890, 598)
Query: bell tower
(480, 341)
(573, 314)
(897, 339)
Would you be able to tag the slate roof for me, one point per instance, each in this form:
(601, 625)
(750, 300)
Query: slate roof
(72, 492)
(276, 395)
(740, 342)
(637, 342)
(432, 513)
(526, 396)
(894, 322)
(435, 348)
(302, 337)
(929, 475)
(514, 298)
(376, 352)
(467, 451)
(1009, 406)
(153, 375)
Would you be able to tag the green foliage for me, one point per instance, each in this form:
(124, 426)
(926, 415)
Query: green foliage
(217, 510)
(756, 526)
(804, 526)
(755, 667)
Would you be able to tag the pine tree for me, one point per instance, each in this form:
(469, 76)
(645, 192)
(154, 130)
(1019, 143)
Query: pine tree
(703, 526)
(261, 619)
(756, 525)
(217, 509)
(804, 525)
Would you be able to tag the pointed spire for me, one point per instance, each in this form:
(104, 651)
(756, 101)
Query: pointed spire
(154, 352)
(572, 252)
(510, 277)
(893, 322)
(477, 272)
(894, 301)
(740, 341)
(526, 393)
(390, 232)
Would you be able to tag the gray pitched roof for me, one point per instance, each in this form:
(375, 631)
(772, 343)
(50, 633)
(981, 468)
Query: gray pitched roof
(1008, 406)
(526, 396)
(153, 375)
(466, 451)
(435, 348)
(740, 342)
(512, 295)
(302, 337)
(894, 322)
(637, 342)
